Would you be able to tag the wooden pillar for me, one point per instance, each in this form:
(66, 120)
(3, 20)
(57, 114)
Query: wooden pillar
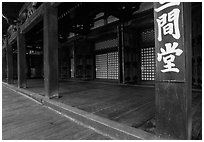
(75, 59)
(21, 59)
(50, 52)
(173, 70)
(9, 59)
(93, 63)
(4, 66)
(121, 57)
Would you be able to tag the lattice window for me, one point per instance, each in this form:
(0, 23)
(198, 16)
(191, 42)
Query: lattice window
(148, 63)
(101, 66)
(148, 36)
(107, 66)
(113, 65)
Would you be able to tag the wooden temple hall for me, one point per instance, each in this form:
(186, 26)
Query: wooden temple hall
(132, 70)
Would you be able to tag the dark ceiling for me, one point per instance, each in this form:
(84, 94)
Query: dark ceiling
(10, 10)
(79, 13)
(72, 14)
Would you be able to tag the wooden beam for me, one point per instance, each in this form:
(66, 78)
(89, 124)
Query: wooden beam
(35, 18)
(76, 30)
(50, 52)
(9, 59)
(24, 7)
(12, 38)
(21, 47)
(173, 70)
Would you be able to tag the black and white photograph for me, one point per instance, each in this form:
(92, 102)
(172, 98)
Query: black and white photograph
(101, 70)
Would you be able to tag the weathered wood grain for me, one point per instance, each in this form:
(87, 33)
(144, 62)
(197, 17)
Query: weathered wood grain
(130, 105)
(23, 119)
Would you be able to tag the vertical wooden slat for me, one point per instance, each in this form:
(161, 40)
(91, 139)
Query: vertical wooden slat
(51, 52)
(21, 61)
(173, 89)
(123, 52)
(121, 67)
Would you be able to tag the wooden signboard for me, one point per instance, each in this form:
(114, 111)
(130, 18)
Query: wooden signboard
(173, 69)
(169, 41)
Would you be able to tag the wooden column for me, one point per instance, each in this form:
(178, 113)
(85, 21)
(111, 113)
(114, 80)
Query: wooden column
(74, 58)
(21, 59)
(4, 66)
(9, 60)
(50, 52)
(121, 57)
(93, 63)
(173, 70)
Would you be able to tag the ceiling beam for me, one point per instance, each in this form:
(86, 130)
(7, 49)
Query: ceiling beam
(35, 18)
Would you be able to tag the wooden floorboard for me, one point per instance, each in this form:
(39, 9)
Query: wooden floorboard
(94, 137)
(145, 112)
(130, 105)
(119, 109)
(28, 120)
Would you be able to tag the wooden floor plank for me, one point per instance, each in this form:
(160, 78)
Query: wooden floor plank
(96, 136)
(112, 101)
(32, 121)
(146, 112)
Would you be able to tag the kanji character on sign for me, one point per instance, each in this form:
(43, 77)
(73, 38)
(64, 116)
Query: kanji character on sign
(169, 57)
(166, 5)
(169, 24)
